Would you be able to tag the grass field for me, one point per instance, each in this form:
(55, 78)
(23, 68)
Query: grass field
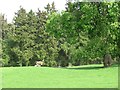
(88, 76)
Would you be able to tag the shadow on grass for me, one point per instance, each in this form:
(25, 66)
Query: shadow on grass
(86, 68)
(115, 65)
(91, 67)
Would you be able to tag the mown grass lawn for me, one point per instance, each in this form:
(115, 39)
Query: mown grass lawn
(88, 76)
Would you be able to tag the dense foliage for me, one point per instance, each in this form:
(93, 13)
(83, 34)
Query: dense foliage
(82, 34)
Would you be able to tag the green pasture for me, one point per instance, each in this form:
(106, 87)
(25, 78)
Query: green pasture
(87, 76)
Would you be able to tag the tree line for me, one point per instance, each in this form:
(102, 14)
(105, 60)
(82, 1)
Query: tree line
(81, 34)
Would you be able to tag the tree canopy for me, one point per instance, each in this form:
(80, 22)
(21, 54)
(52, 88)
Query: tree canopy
(81, 34)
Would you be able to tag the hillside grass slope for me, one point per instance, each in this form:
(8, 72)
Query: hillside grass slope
(87, 76)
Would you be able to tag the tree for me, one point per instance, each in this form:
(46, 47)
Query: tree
(4, 37)
(82, 34)
(23, 37)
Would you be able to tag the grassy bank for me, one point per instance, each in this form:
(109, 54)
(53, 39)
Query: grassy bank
(87, 76)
